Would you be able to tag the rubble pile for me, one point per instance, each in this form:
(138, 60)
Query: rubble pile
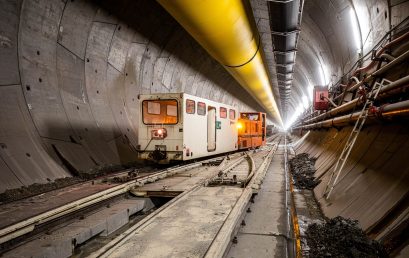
(34, 189)
(302, 168)
(341, 237)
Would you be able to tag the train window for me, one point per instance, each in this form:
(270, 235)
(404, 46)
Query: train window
(232, 114)
(171, 110)
(201, 108)
(153, 108)
(190, 106)
(223, 112)
(250, 116)
(160, 112)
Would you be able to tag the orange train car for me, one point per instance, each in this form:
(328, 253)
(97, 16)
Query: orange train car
(251, 130)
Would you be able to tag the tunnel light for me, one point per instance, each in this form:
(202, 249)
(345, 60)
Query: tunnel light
(310, 90)
(362, 13)
(355, 28)
(297, 112)
(324, 74)
(305, 101)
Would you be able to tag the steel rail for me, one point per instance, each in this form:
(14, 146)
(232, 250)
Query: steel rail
(28, 225)
(108, 249)
(221, 242)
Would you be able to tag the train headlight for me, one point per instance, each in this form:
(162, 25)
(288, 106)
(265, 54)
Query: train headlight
(239, 125)
(160, 133)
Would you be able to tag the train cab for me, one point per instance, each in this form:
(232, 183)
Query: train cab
(251, 130)
(179, 126)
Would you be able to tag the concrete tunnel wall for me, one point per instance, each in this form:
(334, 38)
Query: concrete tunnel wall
(70, 75)
(374, 184)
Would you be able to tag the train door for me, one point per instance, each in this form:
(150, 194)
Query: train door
(211, 128)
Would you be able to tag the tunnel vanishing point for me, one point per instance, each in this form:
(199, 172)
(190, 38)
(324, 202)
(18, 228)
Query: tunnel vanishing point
(72, 72)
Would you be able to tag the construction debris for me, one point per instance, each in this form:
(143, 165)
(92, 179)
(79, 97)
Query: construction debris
(341, 237)
(302, 168)
(34, 189)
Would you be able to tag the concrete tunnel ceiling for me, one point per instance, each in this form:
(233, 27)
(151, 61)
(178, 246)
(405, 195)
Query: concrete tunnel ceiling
(71, 72)
(326, 48)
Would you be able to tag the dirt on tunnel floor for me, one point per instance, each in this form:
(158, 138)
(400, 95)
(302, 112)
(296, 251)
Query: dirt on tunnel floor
(341, 237)
(302, 168)
(81, 176)
(325, 237)
(26, 191)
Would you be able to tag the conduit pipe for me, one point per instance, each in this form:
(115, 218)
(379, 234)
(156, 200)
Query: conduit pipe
(227, 31)
(388, 57)
(378, 72)
(386, 111)
(381, 70)
(380, 52)
(357, 101)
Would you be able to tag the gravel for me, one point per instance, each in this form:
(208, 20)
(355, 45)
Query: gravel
(341, 237)
(302, 168)
(34, 189)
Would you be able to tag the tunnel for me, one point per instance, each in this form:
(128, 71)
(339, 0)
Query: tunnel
(72, 73)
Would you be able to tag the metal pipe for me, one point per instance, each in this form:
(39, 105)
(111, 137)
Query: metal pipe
(399, 108)
(380, 52)
(227, 31)
(357, 101)
(376, 73)
(355, 79)
(386, 111)
(331, 102)
(382, 70)
(387, 57)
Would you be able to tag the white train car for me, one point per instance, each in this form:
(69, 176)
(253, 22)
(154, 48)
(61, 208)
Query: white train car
(179, 126)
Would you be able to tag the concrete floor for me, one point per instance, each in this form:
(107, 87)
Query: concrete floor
(191, 225)
(263, 234)
(185, 229)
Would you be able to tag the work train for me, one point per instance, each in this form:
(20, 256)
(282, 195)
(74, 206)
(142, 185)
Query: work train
(179, 127)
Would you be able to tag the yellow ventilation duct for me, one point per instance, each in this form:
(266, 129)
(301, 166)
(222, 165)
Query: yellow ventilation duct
(225, 30)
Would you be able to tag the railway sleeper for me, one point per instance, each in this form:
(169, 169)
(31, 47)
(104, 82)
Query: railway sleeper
(62, 242)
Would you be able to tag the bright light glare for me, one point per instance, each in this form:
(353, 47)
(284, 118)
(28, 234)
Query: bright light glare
(355, 28)
(239, 126)
(310, 90)
(363, 21)
(305, 101)
(324, 75)
(296, 114)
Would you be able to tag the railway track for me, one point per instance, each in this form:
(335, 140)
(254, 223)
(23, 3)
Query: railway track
(242, 167)
(27, 225)
(250, 168)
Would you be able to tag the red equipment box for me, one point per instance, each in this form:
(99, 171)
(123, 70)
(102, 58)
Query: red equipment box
(320, 98)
